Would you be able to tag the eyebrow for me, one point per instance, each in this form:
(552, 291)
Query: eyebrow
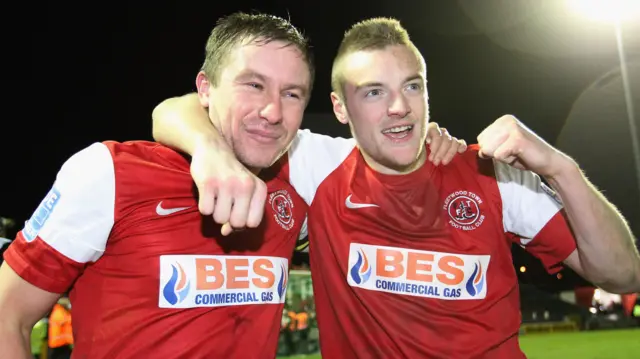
(380, 84)
(253, 75)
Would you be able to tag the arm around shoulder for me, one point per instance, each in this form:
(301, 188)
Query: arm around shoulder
(182, 123)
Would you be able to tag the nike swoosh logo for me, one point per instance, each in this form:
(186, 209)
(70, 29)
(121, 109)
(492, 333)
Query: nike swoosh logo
(167, 211)
(357, 205)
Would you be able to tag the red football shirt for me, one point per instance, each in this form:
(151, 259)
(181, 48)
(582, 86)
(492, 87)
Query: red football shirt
(419, 266)
(149, 275)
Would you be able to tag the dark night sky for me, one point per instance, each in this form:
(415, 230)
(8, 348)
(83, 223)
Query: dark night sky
(80, 74)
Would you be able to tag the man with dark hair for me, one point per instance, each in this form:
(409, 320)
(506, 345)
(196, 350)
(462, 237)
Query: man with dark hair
(413, 260)
(228, 85)
(148, 276)
(262, 29)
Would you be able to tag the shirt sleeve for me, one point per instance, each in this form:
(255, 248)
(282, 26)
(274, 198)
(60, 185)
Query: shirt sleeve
(312, 158)
(71, 225)
(534, 213)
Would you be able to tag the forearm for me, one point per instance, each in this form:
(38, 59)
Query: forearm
(182, 123)
(14, 341)
(606, 247)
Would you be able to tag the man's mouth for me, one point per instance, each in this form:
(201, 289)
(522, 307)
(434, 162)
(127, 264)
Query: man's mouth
(263, 136)
(398, 132)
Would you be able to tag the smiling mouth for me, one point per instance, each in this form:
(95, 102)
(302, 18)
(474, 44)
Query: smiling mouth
(398, 132)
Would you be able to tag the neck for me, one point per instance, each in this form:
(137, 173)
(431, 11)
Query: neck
(399, 170)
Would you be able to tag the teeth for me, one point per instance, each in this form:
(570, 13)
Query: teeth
(398, 129)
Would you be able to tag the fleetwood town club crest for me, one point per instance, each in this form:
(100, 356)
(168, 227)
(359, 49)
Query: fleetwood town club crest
(464, 210)
(282, 207)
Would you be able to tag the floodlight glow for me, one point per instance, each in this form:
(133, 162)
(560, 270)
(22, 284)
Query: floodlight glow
(609, 11)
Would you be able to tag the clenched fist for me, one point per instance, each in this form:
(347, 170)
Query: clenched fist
(227, 189)
(509, 141)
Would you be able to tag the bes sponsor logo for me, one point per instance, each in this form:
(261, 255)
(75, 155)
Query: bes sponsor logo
(189, 281)
(418, 273)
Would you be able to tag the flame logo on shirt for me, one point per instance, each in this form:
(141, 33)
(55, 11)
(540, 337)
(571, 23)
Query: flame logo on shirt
(177, 288)
(361, 271)
(282, 284)
(476, 282)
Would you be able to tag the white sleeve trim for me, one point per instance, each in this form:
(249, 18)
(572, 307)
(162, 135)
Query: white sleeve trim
(312, 158)
(527, 205)
(79, 210)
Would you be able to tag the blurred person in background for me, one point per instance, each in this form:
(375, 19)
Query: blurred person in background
(39, 343)
(60, 330)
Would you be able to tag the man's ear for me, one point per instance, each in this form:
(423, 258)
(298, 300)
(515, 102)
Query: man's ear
(204, 88)
(339, 108)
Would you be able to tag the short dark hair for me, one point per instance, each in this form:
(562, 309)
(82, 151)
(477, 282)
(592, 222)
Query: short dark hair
(371, 34)
(240, 28)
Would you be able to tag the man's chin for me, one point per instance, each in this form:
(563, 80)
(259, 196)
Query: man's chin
(258, 161)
